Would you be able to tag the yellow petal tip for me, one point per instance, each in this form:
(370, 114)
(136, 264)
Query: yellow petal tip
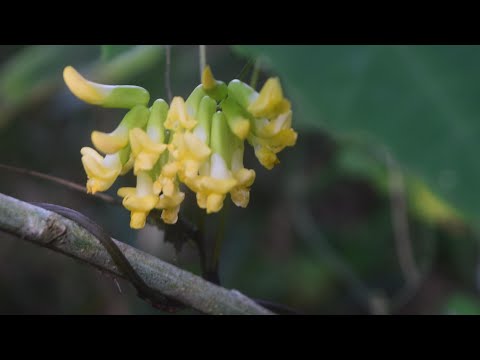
(241, 128)
(270, 99)
(138, 220)
(208, 81)
(108, 143)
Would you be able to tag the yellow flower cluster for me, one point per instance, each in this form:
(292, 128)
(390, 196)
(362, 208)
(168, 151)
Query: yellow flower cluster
(198, 142)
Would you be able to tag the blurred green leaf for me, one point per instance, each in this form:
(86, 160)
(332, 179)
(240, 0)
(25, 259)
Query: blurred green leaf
(111, 51)
(124, 65)
(35, 72)
(421, 101)
(462, 304)
(424, 204)
(34, 65)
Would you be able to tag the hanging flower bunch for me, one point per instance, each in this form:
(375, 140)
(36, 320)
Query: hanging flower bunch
(198, 142)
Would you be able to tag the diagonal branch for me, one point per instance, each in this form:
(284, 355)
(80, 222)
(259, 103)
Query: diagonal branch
(50, 230)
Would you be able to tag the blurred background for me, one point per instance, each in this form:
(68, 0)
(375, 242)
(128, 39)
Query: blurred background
(374, 211)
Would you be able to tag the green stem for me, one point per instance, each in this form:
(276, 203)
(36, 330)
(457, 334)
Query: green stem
(168, 83)
(243, 73)
(255, 74)
(202, 51)
(202, 243)
(217, 248)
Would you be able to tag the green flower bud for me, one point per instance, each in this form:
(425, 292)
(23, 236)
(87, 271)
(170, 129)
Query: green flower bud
(237, 117)
(109, 96)
(110, 143)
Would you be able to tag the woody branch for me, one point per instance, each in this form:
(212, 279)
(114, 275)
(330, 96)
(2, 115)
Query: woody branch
(52, 231)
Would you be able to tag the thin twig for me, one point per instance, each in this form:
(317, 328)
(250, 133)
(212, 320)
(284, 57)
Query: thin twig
(168, 83)
(50, 230)
(219, 237)
(308, 232)
(410, 290)
(401, 231)
(68, 184)
(413, 274)
(246, 68)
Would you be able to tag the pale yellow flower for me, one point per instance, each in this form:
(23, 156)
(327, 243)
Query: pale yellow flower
(102, 171)
(139, 200)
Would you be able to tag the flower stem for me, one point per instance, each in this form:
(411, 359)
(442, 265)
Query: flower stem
(255, 74)
(168, 83)
(217, 247)
(202, 51)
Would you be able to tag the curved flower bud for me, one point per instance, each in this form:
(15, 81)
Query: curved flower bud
(110, 143)
(102, 171)
(237, 117)
(148, 146)
(140, 200)
(243, 94)
(193, 101)
(206, 110)
(109, 96)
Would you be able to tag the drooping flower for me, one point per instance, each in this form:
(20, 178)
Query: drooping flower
(139, 200)
(103, 171)
(271, 117)
(110, 143)
(167, 187)
(240, 194)
(216, 179)
(170, 204)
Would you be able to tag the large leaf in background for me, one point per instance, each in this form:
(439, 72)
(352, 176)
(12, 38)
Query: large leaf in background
(421, 101)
